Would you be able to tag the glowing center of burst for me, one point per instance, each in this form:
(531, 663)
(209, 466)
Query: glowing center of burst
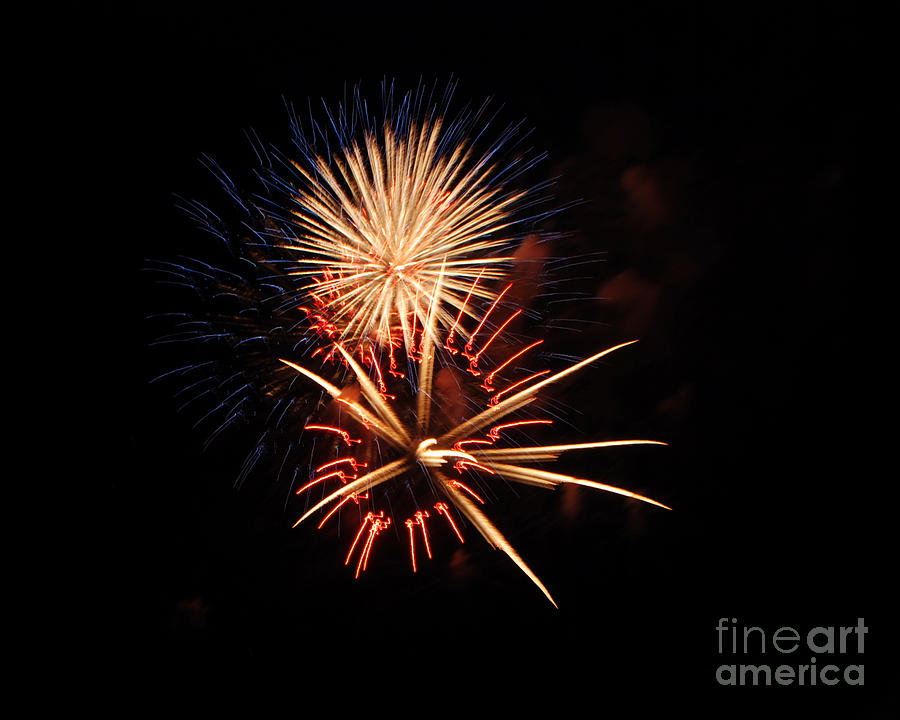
(396, 270)
(395, 273)
(436, 458)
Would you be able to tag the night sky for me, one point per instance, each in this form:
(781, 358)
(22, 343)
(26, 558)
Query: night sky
(710, 156)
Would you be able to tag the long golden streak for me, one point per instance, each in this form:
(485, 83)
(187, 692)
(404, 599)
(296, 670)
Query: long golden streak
(454, 166)
(482, 420)
(399, 441)
(426, 369)
(490, 532)
(366, 482)
(366, 290)
(381, 408)
(398, 170)
(404, 321)
(473, 185)
(338, 192)
(533, 458)
(376, 163)
(568, 371)
(348, 287)
(424, 154)
(332, 390)
(364, 308)
(513, 402)
(381, 314)
(417, 294)
(470, 274)
(554, 451)
(328, 208)
(475, 228)
(329, 263)
(363, 184)
(480, 208)
(514, 472)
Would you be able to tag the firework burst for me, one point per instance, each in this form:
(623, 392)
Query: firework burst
(384, 262)
(371, 226)
(430, 448)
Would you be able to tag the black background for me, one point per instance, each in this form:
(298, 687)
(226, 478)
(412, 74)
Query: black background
(716, 154)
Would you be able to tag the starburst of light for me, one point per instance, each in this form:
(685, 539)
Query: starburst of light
(416, 443)
(372, 225)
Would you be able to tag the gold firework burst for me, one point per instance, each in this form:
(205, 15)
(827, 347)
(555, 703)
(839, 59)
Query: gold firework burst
(375, 225)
